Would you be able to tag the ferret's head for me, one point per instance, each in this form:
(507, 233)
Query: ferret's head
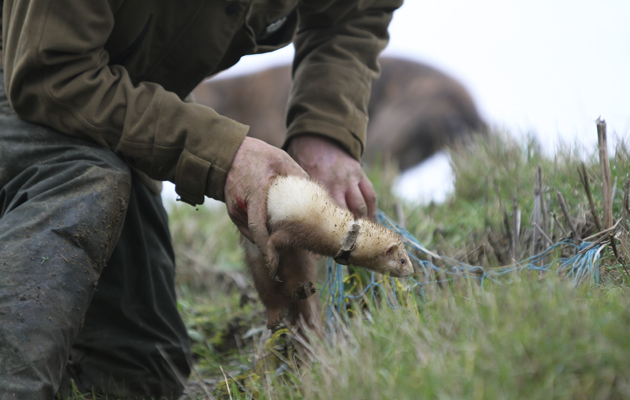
(395, 260)
(381, 250)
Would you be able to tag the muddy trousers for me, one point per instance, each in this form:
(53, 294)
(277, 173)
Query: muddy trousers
(87, 295)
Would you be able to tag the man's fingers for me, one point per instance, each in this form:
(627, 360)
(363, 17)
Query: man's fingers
(356, 202)
(257, 222)
(330, 164)
(369, 195)
(339, 197)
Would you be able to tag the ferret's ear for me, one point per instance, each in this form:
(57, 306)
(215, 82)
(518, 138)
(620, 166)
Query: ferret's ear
(390, 250)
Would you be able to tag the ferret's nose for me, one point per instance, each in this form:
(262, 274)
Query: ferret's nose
(405, 271)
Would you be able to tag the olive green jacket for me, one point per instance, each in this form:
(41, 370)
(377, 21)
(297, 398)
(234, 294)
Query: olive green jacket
(116, 72)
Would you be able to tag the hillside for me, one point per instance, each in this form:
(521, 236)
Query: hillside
(531, 330)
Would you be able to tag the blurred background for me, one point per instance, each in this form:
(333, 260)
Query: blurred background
(546, 68)
(538, 71)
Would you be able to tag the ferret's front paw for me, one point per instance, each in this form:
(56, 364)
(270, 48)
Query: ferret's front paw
(272, 265)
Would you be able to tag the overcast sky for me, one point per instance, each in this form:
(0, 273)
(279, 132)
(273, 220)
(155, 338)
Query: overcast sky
(545, 66)
(549, 67)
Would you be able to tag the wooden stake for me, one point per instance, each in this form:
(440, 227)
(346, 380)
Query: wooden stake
(591, 203)
(565, 211)
(546, 210)
(516, 215)
(604, 162)
(486, 203)
(547, 238)
(543, 204)
(614, 246)
(625, 211)
(537, 210)
(506, 223)
(555, 217)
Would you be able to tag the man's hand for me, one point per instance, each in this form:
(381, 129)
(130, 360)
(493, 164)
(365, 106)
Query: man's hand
(326, 162)
(254, 167)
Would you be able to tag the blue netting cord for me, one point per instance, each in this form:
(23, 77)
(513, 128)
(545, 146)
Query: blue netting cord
(583, 266)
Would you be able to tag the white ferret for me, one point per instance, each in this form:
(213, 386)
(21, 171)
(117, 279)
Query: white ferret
(303, 218)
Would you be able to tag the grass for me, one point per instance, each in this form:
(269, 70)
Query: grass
(530, 340)
(533, 336)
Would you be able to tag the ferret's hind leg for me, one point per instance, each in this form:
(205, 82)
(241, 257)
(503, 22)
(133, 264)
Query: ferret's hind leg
(297, 270)
(269, 290)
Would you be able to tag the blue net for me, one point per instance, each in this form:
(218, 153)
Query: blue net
(339, 291)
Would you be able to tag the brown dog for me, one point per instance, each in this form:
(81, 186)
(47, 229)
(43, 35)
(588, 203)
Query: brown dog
(415, 110)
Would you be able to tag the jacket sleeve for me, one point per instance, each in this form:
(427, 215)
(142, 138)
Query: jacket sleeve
(336, 51)
(57, 75)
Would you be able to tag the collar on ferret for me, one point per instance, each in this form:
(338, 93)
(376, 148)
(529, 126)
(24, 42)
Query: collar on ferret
(349, 243)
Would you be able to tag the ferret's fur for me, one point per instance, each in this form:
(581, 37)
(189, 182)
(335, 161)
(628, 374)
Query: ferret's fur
(303, 215)
(293, 290)
(303, 218)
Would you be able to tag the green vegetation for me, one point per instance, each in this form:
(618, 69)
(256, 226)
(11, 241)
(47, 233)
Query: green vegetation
(534, 336)
(531, 336)
(529, 340)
